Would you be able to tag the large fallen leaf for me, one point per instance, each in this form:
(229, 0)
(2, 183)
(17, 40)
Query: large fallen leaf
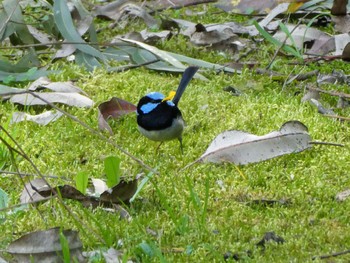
(44, 82)
(45, 246)
(243, 148)
(71, 99)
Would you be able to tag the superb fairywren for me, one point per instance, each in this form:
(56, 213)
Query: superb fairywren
(158, 117)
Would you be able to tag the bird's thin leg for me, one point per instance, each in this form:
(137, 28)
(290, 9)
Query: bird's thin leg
(159, 146)
(181, 147)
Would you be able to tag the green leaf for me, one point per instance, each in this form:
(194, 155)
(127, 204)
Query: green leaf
(161, 54)
(90, 62)
(5, 29)
(66, 26)
(112, 170)
(116, 54)
(202, 63)
(13, 10)
(286, 31)
(31, 74)
(81, 181)
(8, 67)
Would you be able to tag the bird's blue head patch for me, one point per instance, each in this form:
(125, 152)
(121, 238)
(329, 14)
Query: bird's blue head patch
(155, 96)
(148, 107)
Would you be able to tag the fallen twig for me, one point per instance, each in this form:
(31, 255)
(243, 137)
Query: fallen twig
(332, 93)
(335, 254)
(30, 174)
(337, 117)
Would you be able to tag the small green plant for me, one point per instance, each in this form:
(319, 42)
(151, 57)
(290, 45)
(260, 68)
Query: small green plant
(200, 207)
(81, 181)
(112, 170)
(144, 181)
(149, 250)
(286, 48)
(103, 229)
(65, 248)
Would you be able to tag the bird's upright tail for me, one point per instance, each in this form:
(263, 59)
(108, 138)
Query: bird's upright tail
(186, 78)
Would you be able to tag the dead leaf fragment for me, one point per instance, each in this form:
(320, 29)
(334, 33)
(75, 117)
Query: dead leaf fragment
(45, 246)
(270, 236)
(342, 196)
(121, 193)
(243, 148)
(41, 119)
(320, 108)
(346, 53)
(341, 23)
(32, 191)
(247, 6)
(118, 9)
(301, 34)
(311, 94)
(202, 37)
(65, 86)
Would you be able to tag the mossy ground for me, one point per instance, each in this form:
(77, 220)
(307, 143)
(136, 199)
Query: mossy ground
(201, 212)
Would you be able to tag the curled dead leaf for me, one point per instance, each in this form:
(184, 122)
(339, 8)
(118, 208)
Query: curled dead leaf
(114, 108)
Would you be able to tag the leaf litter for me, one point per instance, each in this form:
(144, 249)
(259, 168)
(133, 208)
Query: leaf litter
(243, 148)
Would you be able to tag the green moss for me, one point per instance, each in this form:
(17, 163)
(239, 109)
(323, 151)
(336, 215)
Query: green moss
(313, 223)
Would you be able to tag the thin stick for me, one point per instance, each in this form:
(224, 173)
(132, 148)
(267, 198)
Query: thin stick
(28, 203)
(328, 143)
(29, 174)
(337, 117)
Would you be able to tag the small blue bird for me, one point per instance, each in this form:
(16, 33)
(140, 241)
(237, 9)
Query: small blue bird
(158, 117)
